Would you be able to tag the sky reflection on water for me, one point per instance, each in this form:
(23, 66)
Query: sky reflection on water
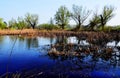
(31, 53)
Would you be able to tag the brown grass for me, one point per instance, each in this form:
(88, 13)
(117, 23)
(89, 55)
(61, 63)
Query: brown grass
(54, 33)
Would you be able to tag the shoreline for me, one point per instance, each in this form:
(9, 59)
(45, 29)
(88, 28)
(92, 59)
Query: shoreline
(55, 33)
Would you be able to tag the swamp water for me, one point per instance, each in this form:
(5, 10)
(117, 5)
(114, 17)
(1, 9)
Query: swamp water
(30, 57)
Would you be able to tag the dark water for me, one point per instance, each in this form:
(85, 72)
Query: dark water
(29, 56)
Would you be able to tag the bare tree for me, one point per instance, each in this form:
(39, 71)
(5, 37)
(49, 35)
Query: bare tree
(79, 15)
(106, 15)
(31, 19)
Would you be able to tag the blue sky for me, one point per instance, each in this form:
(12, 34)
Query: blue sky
(47, 8)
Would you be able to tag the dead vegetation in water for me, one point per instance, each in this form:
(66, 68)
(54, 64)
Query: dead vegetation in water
(74, 50)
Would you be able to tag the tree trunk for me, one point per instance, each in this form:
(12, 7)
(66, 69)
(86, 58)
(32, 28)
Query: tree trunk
(102, 22)
(63, 26)
(102, 27)
(79, 26)
(33, 26)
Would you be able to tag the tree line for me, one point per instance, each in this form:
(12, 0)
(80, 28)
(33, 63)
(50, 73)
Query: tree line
(62, 18)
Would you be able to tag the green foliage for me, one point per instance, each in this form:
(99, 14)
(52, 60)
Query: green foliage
(31, 19)
(106, 28)
(94, 22)
(17, 24)
(21, 24)
(99, 21)
(62, 17)
(109, 28)
(51, 21)
(106, 15)
(117, 28)
(2, 24)
(48, 26)
(13, 24)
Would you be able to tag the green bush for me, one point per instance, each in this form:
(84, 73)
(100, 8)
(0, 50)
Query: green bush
(107, 28)
(117, 28)
(17, 24)
(48, 26)
(110, 28)
(2, 24)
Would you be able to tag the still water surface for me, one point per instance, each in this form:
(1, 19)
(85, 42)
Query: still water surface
(23, 54)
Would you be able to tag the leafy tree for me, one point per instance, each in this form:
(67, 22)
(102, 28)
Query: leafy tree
(62, 17)
(2, 24)
(106, 15)
(79, 15)
(31, 19)
(21, 23)
(13, 23)
(95, 21)
(51, 21)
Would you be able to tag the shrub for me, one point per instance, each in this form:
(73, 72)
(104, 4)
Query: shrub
(2, 24)
(47, 26)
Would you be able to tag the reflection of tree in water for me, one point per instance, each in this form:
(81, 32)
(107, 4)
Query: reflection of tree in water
(32, 42)
(1, 39)
(13, 38)
(51, 40)
(116, 39)
(79, 38)
(98, 42)
(61, 41)
(21, 39)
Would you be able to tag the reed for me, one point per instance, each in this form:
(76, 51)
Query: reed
(90, 35)
(37, 32)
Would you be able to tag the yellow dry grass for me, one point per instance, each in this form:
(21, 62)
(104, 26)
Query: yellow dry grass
(54, 33)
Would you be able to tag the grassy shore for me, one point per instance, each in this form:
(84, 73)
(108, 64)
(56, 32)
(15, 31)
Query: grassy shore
(55, 33)
(35, 32)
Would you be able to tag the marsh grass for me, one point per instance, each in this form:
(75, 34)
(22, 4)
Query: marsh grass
(48, 33)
